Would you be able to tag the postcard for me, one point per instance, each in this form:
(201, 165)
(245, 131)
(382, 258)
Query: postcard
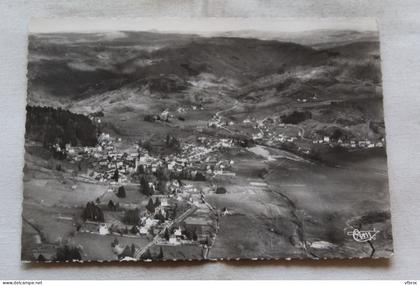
(204, 139)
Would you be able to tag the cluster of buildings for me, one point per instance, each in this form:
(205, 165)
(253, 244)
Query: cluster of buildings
(217, 122)
(192, 107)
(266, 130)
(361, 144)
(196, 223)
(193, 159)
(304, 100)
(105, 159)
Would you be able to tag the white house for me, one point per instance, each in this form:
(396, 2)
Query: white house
(178, 232)
(103, 229)
(173, 240)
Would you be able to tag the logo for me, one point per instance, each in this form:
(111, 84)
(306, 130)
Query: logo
(363, 236)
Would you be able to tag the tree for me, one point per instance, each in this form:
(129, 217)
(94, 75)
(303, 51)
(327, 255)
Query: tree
(93, 212)
(132, 217)
(140, 169)
(160, 255)
(168, 139)
(157, 202)
(173, 143)
(163, 173)
(121, 192)
(149, 118)
(166, 234)
(133, 249)
(68, 253)
(116, 175)
(111, 205)
(148, 146)
(221, 190)
(126, 252)
(134, 230)
(160, 217)
(146, 255)
(162, 187)
(200, 177)
(150, 206)
(144, 186)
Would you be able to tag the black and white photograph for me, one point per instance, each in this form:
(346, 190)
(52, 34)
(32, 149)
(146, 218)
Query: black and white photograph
(162, 139)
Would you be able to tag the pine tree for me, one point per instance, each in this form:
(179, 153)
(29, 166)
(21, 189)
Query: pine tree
(157, 202)
(132, 217)
(126, 252)
(93, 212)
(134, 230)
(121, 192)
(144, 186)
(116, 175)
(166, 234)
(161, 187)
(160, 255)
(150, 206)
(111, 205)
(168, 139)
(146, 255)
(133, 249)
(65, 253)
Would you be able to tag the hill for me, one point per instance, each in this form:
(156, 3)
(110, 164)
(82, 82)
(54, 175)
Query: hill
(64, 67)
(129, 75)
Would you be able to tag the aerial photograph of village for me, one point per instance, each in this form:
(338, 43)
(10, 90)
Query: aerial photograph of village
(245, 144)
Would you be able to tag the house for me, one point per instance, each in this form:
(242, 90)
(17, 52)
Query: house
(178, 232)
(143, 230)
(257, 136)
(164, 202)
(226, 212)
(173, 240)
(164, 115)
(103, 229)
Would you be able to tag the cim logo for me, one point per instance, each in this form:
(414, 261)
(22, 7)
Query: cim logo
(363, 236)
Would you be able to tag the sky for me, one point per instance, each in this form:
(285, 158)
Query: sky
(201, 26)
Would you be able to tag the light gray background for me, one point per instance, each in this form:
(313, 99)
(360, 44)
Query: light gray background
(399, 24)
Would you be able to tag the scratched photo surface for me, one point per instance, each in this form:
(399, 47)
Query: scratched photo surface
(204, 141)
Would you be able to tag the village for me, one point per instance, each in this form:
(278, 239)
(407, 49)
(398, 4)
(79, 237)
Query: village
(273, 131)
(176, 213)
